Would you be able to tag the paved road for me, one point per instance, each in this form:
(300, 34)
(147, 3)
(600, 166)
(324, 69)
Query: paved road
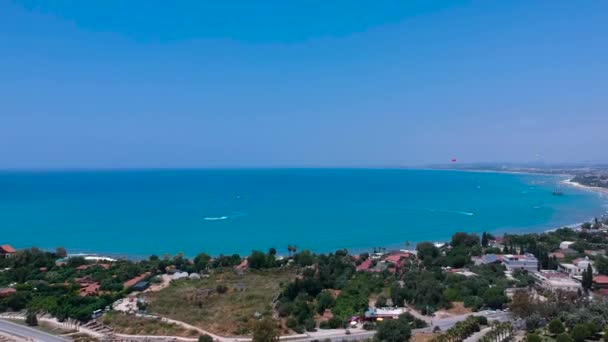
(29, 333)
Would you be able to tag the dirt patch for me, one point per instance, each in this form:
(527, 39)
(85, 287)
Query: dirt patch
(457, 308)
(423, 337)
(133, 325)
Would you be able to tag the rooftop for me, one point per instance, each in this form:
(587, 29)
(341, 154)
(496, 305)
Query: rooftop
(600, 279)
(7, 249)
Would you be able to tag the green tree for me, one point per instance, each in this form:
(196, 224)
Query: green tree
(580, 333)
(556, 327)
(601, 264)
(396, 330)
(381, 301)
(205, 338)
(533, 338)
(31, 319)
(60, 252)
(201, 261)
(484, 239)
(325, 300)
(266, 330)
(587, 280)
(563, 337)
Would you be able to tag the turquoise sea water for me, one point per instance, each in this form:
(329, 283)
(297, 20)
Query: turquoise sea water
(139, 213)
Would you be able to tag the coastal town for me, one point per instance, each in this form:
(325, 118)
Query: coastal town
(484, 287)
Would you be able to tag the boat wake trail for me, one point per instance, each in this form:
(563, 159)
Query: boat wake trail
(452, 212)
(219, 218)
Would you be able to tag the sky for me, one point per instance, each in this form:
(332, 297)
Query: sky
(194, 83)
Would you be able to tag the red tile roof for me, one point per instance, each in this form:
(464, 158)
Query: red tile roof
(8, 249)
(243, 265)
(600, 279)
(557, 255)
(365, 265)
(7, 291)
(89, 290)
(136, 280)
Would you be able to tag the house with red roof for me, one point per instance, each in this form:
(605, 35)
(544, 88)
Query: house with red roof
(6, 251)
(600, 282)
(243, 265)
(89, 290)
(7, 291)
(365, 265)
(132, 282)
(398, 258)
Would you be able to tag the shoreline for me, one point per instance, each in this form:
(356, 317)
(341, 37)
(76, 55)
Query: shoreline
(569, 182)
(554, 179)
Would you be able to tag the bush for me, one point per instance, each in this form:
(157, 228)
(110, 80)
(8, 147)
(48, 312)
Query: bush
(381, 301)
(563, 337)
(533, 338)
(205, 338)
(580, 333)
(473, 302)
(292, 323)
(369, 326)
(396, 330)
(556, 327)
(221, 288)
(31, 319)
(482, 320)
(310, 325)
(335, 323)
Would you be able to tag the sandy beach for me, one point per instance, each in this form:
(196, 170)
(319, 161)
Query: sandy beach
(569, 182)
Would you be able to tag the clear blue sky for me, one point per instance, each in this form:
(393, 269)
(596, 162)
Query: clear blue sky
(114, 83)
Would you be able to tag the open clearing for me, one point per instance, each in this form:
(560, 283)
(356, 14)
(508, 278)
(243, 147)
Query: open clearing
(133, 325)
(225, 303)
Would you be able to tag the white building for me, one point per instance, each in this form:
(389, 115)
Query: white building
(577, 267)
(566, 244)
(526, 262)
(555, 281)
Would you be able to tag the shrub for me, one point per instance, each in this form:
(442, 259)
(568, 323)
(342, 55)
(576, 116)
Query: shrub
(482, 320)
(335, 323)
(221, 288)
(396, 330)
(580, 332)
(292, 323)
(310, 324)
(369, 326)
(31, 319)
(563, 337)
(205, 338)
(533, 338)
(381, 301)
(556, 327)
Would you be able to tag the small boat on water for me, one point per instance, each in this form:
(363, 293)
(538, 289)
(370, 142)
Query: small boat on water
(557, 193)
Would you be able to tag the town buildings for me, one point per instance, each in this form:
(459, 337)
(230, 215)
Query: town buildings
(525, 262)
(6, 251)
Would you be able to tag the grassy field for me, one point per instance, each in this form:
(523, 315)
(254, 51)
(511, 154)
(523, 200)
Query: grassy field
(198, 302)
(132, 325)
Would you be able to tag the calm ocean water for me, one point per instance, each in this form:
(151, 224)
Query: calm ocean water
(139, 213)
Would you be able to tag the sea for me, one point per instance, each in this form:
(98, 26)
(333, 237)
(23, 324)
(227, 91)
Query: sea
(137, 213)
